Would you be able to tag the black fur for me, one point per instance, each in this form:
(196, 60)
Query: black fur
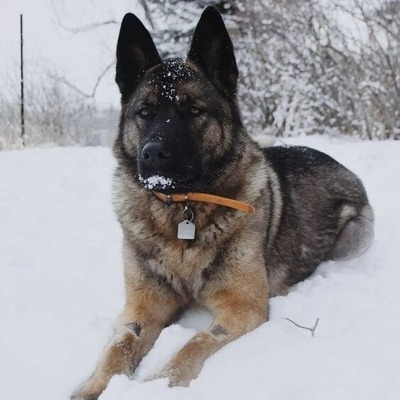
(135, 54)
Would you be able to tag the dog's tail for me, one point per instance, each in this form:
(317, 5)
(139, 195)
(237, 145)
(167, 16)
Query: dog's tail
(355, 237)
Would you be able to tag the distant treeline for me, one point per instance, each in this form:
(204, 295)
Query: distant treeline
(306, 66)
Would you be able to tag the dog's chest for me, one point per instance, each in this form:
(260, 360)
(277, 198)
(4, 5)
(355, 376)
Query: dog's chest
(182, 266)
(184, 263)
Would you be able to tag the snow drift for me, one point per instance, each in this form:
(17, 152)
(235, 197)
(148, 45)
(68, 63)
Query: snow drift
(61, 288)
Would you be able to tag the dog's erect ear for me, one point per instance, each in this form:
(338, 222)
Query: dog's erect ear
(136, 53)
(212, 51)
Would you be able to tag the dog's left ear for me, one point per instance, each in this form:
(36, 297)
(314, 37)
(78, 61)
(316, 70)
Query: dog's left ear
(212, 51)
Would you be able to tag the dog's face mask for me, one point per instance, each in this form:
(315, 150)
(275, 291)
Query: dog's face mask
(177, 113)
(169, 114)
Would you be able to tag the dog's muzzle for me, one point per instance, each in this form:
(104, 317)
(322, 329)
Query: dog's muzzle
(156, 155)
(164, 159)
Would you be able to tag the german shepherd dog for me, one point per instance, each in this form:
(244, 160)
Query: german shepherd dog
(181, 148)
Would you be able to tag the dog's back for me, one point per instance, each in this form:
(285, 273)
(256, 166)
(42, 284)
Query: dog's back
(325, 214)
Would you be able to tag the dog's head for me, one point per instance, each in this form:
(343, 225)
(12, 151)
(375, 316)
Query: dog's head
(179, 123)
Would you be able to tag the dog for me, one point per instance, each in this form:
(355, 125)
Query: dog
(209, 217)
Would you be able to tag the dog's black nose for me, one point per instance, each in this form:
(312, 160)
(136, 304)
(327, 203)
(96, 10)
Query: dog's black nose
(156, 153)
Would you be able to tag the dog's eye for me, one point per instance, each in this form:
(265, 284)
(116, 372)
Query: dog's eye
(144, 112)
(195, 111)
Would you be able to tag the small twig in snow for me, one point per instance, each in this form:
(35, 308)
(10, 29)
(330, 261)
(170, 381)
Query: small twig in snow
(312, 330)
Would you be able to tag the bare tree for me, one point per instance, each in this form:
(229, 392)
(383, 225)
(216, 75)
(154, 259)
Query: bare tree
(54, 113)
(302, 69)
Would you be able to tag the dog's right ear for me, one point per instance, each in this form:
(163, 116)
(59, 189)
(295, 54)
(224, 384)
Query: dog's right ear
(136, 53)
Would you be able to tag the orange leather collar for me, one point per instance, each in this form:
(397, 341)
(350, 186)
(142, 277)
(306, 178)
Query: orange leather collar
(206, 198)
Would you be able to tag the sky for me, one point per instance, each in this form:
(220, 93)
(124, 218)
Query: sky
(79, 58)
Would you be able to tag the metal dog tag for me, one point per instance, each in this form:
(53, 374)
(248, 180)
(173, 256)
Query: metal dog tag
(186, 230)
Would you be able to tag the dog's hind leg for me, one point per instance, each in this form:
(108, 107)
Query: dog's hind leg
(356, 235)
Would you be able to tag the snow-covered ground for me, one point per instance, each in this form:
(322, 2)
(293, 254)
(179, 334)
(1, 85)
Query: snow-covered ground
(61, 288)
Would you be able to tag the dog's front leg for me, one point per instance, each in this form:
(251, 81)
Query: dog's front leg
(236, 312)
(149, 307)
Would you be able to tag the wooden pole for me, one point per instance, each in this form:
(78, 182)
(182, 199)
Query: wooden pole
(22, 79)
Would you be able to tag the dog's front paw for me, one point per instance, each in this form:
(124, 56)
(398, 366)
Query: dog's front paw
(84, 396)
(180, 378)
(177, 375)
(86, 393)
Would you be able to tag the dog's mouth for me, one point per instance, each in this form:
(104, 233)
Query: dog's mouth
(157, 182)
(169, 185)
